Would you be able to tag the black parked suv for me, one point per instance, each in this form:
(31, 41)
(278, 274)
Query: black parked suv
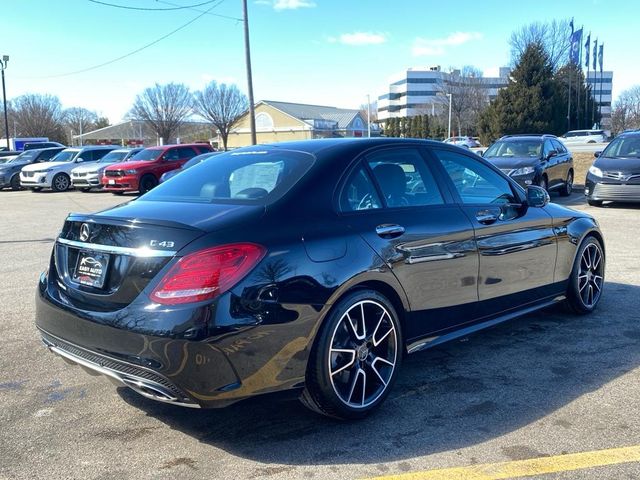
(10, 171)
(615, 174)
(534, 160)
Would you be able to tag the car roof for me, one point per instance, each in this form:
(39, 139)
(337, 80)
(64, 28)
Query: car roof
(165, 147)
(527, 136)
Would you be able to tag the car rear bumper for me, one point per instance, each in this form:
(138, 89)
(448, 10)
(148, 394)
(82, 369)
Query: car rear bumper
(212, 368)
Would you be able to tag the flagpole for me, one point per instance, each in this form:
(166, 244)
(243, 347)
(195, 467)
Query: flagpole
(570, 80)
(595, 78)
(588, 92)
(578, 71)
(600, 53)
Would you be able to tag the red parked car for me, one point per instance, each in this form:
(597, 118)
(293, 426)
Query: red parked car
(144, 170)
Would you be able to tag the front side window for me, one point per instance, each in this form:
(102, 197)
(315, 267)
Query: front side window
(475, 182)
(404, 178)
(547, 149)
(254, 177)
(359, 192)
(65, 156)
(185, 153)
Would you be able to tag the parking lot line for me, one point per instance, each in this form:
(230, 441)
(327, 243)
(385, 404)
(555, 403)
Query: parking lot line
(526, 468)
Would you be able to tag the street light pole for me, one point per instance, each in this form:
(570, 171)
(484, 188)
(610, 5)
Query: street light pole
(3, 65)
(449, 129)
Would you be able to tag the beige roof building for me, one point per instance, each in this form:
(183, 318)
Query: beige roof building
(284, 121)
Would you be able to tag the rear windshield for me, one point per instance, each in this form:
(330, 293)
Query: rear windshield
(65, 156)
(515, 148)
(250, 176)
(147, 155)
(623, 147)
(113, 156)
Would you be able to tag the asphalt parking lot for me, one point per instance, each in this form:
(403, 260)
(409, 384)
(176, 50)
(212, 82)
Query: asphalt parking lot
(538, 387)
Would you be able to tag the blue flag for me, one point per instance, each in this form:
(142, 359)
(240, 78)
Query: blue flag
(595, 53)
(574, 53)
(600, 56)
(571, 25)
(587, 44)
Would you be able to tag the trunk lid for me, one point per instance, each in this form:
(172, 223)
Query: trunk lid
(103, 261)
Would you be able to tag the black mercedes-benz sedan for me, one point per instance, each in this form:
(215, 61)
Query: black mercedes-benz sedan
(615, 174)
(314, 265)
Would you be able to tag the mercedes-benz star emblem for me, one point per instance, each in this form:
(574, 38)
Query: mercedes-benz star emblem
(84, 232)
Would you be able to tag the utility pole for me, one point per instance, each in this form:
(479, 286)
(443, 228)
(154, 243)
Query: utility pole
(3, 65)
(449, 129)
(247, 51)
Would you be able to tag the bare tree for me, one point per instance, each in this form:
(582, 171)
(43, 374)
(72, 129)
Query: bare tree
(80, 120)
(553, 36)
(372, 108)
(221, 105)
(468, 98)
(164, 108)
(39, 116)
(626, 111)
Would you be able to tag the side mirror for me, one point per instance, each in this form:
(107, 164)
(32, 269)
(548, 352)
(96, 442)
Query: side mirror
(537, 196)
(597, 154)
(552, 154)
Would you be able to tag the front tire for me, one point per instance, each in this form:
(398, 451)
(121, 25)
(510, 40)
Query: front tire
(594, 203)
(587, 277)
(354, 361)
(15, 182)
(85, 190)
(60, 182)
(543, 183)
(147, 183)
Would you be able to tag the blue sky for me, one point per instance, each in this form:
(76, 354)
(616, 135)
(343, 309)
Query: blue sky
(331, 52)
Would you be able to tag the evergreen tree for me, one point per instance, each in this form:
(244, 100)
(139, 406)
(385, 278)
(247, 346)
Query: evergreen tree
(531, 103)
(424, 133)
(416, 126)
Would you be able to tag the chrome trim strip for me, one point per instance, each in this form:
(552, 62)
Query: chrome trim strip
(134, 252)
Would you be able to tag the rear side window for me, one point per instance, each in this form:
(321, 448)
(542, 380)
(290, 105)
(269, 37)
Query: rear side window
(475, 182)
(558, 146)
(254, 177)
(404, 178)
(359, 192)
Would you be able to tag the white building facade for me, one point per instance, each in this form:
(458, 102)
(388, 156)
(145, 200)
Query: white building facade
(601, 86)
(418, 91)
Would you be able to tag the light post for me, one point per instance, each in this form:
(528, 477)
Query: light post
(449, 129)
(3, 65)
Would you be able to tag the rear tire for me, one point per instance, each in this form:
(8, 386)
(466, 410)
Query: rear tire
(567, 188)
(15, 182)
(587, 277)
(60, 182)
(355, 358)
(147, 183)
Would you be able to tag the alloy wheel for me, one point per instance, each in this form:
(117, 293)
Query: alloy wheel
(61, 183)
(363, 355)
(569, 184)
(591, 275)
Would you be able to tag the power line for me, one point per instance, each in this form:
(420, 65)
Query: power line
(126, 55)
(175, 7)
(236, 19)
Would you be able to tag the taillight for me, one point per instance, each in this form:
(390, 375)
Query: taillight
(207, 273)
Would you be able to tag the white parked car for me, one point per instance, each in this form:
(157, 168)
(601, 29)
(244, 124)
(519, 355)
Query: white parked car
(578, 137)
(56, 173)
(468, 142)
(86, 177)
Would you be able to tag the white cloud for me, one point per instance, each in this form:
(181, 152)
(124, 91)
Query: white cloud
(437, 46)
(287, 4)
(359, 38)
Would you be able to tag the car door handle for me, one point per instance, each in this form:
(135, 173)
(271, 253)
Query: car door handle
(486, 217)
(389, 230)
